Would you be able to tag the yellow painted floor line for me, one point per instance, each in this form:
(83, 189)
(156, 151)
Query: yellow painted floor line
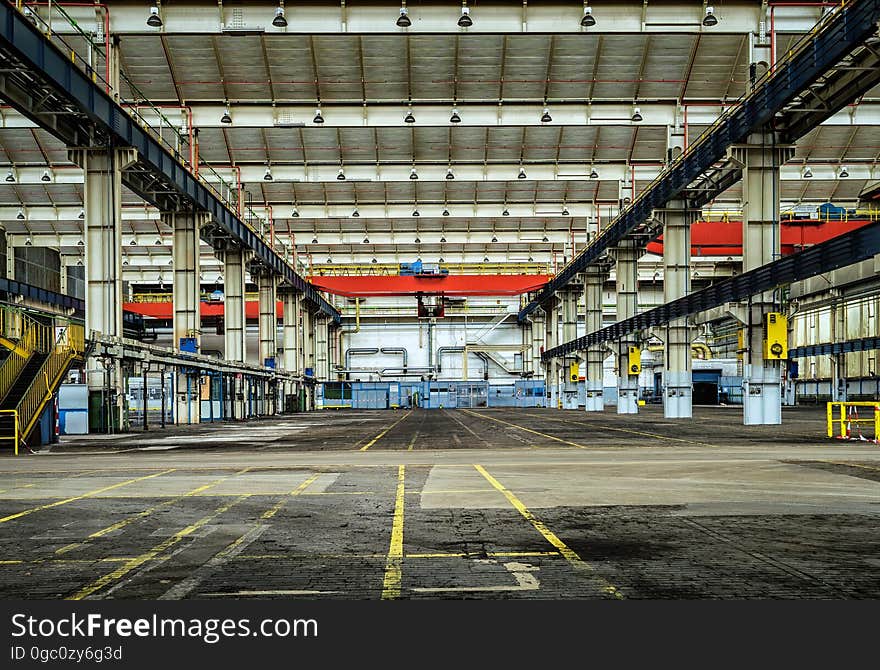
(570, 555)
(272, 511)
(490, 554)
(119, 525)
(57, 503)
(657, 436)
(528, 430)
(394, 562)
(384, 432)
(413, 441)
(297, 557)
(153, 553)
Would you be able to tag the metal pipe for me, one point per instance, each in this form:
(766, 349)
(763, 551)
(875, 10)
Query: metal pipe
(397, 350)
(358, 351)
(446, 350)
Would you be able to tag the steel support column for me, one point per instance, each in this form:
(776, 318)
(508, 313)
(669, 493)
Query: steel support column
(308, 354)
(290, 340)
(187, 317)
(761, 159)
(551, 339)
(537, 345)
(268, 327)
(569, 388)
(594, 282)
(322, 347)
(627, 255)
(234, 326)
(102, 210)
(677, 375)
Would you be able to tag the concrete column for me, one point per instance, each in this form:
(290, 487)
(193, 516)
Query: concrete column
(677, 376)
(569, 389)
(102, 210)
(187, 316)
(234, 324)
(761, 159)
(627, 304)
(594, 282)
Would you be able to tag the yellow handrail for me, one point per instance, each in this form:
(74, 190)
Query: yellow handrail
(35, 337)
(69, 345)
(15, 433)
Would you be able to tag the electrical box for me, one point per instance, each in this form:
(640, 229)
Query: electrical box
(573, 373)
(740, 343)
(189, 345)
(775, 337)
(634, 360)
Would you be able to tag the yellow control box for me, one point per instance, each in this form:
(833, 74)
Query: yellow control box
(634, 360)
(574, 373)
(740, 343)
(775, 336)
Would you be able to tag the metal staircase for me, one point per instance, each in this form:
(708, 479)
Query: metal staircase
(39, 358)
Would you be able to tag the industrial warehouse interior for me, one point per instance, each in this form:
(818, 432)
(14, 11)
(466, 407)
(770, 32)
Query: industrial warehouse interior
(453, 300)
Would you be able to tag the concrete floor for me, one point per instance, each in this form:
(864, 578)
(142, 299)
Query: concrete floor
(525, 503)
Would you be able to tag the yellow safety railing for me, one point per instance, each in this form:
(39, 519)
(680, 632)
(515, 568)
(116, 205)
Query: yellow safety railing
(14, 437)
(69, 345)
(845, 416)
(33, 337)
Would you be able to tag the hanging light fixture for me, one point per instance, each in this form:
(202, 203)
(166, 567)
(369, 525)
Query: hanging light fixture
(844, 173)
(417, 241)
(636, 115)
(132, 242)
(808, 173)
(329, 260)
(279, 21)
(340, 176)
(82, 214)
(565, 211)
(409, 118)
(366, 240)
(20, 215)
(449, 173)
(374, 261)
(413, 174)
(545, 117)
(522, 173)
(588, 21)
(494, 239)
(416, 212)
(10, 176)
(295, 213)
(268, 175)
(319, 118)
(710, 20)
(154, 20)
(355, 213)
(227, 117)
(455, 118)
(505, 212)
(46, 176)
(465, 20)
(314, 240)
(403, 21)
(28, 242)
(442, 240)
(445, 213)
(544, 239)
(485, 259)
(594, 174)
